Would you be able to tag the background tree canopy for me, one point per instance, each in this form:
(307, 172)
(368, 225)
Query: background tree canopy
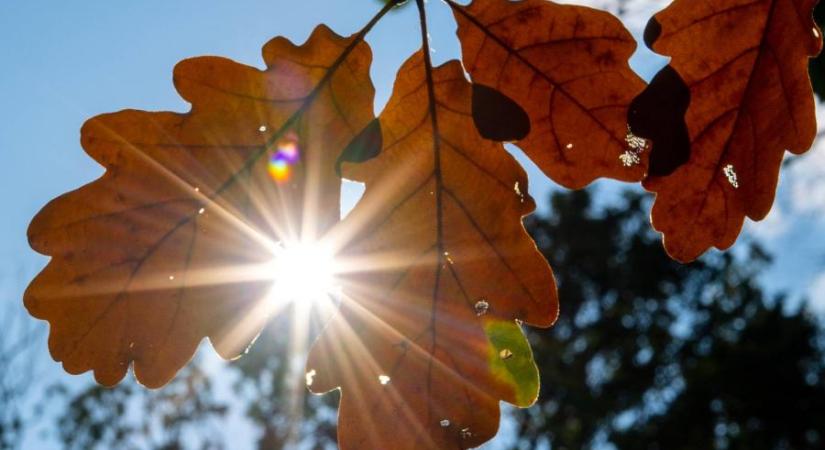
(649, 354)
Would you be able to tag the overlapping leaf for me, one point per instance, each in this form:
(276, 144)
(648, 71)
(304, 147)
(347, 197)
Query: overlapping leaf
(426, 343)
(567, 67)
(743, 65)
(816, 68)
(163, 250)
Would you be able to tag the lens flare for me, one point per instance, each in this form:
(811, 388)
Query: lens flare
(288, 154)
(288, 151)
(278, 169)
(303, 272)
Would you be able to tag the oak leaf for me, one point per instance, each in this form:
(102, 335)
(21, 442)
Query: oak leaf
(744, 67)
(426, 342)
(567, 66)
(171, 244)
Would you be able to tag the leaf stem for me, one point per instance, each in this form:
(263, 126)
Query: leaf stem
(428, 68)
(440, 259)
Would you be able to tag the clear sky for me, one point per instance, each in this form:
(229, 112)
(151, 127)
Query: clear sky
(62, 62)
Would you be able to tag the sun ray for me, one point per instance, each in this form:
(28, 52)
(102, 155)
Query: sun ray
(207, 200)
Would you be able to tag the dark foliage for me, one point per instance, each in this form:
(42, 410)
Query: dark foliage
(18, 337)
(649, 353)
(188, 413)
(276, 400)
(183, 415)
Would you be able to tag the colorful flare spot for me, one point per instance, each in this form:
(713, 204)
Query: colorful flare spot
(281, 161)
(289, 152)
(278, 169)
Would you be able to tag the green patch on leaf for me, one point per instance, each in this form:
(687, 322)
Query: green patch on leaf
(511, 360)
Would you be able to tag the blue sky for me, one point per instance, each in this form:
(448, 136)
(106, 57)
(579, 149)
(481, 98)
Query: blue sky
(65, 61)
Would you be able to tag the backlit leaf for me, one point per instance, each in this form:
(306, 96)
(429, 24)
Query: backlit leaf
(172, 243)
(567, 67)
(426, 343)
(745, 66)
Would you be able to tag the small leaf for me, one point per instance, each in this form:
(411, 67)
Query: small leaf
(745, 65)
(497, 117)
(658, 114)
(365, 146)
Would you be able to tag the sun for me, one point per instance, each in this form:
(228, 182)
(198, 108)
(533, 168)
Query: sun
(303, 273)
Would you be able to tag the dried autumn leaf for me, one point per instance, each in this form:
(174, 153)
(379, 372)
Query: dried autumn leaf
(172, 243)
(567, 67)
(745, 66)
(426, 343)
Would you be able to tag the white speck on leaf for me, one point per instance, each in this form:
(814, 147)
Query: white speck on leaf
(635, 147)
(730, 174)
(629, 158)
(448, 258)
(310, 377)
(635, 142)
(517, 190)
(481, 307)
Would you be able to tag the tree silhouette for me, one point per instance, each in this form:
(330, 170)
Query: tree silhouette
(17, 368)
(653, 354)
(182, 415)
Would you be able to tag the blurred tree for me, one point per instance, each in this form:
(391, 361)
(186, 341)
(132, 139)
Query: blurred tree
(188, 414)
(648, 353)
(18, 343)
(274, 388)
(183, 415)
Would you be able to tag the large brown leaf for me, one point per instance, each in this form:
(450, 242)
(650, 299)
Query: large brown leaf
(567, 67)
(170, 244)
(426, 343)
(744, 64)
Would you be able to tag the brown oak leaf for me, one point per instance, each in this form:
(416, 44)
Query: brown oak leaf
(567, 66)
(427, 342)
(171, 244)
(744, 66)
